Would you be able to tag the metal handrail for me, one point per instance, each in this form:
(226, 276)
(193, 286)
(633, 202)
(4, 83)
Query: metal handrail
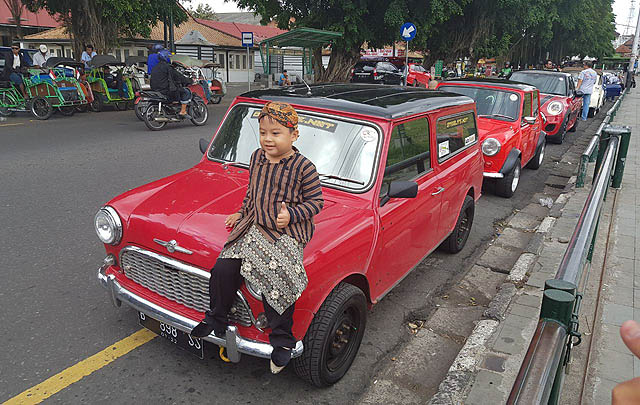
(542, 362)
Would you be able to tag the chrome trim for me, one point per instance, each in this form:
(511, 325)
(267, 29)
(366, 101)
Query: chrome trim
(116, 222)
(235, 344)
(493, 175)
(167, 260)
(172, 246)
(252, 291)
(253, 319)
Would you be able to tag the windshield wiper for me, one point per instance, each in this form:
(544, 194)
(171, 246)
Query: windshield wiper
(334, 177)
(496, 115)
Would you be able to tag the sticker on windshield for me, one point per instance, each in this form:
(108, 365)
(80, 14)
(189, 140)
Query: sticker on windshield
(309, 122)
(513, 97)
(469, 140)
(456, 122)
(368, 135)
(443, 149)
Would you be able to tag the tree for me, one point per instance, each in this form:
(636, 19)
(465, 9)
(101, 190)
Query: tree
(103, 23)
(16, 8)
(376, 22)
(203, 11)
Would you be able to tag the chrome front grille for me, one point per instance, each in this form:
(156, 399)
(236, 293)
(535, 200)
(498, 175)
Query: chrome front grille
(176, 281)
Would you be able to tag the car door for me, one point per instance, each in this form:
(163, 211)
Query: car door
(394, 74)
(408, 226)
(575, 103)
(456, 153)
(526, 129)
(537, 128)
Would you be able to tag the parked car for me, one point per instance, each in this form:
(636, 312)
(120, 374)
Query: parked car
(560, 103)
(376, 71)
(401, 171)
(597, 96)
(510, 128)
(418, 76)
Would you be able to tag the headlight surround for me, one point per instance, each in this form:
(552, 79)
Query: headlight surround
(491, 146)
(108, 226)
(253, 290)
(555, 108)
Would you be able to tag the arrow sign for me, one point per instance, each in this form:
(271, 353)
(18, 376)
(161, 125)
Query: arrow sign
(408, 31)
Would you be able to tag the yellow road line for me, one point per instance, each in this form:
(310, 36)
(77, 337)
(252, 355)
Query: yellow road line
(78, 371)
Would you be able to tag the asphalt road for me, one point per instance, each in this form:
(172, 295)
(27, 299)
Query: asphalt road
(55, 174)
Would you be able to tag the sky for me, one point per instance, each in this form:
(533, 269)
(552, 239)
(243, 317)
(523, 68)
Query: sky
(620, 9)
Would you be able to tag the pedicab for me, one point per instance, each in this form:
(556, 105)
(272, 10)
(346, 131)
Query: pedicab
(102, 93)
(205, 73)
(138, 75)
(66, 74)
(46, 92)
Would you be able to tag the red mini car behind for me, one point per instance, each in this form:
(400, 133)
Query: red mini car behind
(418, 76)
(560, 104)
(401, 171)
(510, 128)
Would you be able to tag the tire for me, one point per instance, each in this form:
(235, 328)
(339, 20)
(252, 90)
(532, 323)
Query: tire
(199, 112)
(537, 159)
(507, 186)
(216, 99)
(41, 108)
(97, 104)
(121, 105)
(140, 109)
(326, 357)
(575, 125)
(458, 238)
(559, 137)
(6, 99)
(67, 111)
(149, 118)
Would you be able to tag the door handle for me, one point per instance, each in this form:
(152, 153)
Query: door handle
(440, 190)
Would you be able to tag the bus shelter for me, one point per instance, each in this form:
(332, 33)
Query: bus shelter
(289, 44)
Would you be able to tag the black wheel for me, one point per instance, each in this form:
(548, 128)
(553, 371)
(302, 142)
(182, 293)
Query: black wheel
(82, 108)
(140, 109)
(458, 238)
(150, 118)
(97, 104)
(334, 336)
(6, 100)
(216, 99)
(537, 159)
(121, 105)
(41, 108)
(558, 138)
(506, 186)
(575, 125)
(199, 112)
(67, 111)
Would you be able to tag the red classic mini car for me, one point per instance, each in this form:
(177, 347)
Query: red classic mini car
(401, 171)
(560, 103)
(509, 124)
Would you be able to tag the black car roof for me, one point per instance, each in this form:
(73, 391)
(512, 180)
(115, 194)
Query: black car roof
(543, 72)
(376, 100)
(510, 84)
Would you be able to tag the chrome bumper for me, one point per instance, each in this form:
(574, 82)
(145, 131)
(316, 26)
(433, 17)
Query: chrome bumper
(235, 344)
(493, 175)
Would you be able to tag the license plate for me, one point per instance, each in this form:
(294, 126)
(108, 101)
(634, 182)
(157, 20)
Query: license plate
(172, 334)
(363, 74)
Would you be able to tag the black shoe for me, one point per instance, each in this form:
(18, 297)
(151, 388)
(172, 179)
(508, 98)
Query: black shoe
(185, 116)
(202, 329)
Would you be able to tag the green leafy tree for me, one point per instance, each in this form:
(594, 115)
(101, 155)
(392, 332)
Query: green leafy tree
(203, 11)
(16, 8)
(104, 23)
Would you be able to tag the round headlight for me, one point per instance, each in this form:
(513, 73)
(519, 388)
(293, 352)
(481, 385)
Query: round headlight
(491, 146)
(108, 226)
(253, 290)
(555, 108)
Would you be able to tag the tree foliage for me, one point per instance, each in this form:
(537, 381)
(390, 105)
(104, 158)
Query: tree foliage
(203, 11)
(103, 23)
(16, 8)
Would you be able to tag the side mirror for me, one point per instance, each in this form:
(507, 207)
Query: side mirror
(578, 93)
(203, 145)
(403, 189)
(530, 120)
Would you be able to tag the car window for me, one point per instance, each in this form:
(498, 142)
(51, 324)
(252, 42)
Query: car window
(455, 133)
(381, 66)
(492, 103)
(535, 103)
(546, 82)
(408, 155)
(526, 106)
(390, 67)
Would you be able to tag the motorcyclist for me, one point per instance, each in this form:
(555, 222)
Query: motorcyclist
(152, 59)
(166, 80)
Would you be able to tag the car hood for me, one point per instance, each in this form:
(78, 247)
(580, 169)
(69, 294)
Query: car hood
(492, 128)
(191, 207)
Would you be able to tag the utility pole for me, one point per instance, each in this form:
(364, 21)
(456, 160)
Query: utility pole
(632, 11)
(634, 52)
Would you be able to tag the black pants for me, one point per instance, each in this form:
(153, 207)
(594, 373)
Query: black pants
(223, 284)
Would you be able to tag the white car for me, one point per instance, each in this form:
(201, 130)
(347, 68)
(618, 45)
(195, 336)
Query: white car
(597, 96)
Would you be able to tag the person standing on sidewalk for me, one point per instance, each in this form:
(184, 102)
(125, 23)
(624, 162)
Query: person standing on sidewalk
(586, 81)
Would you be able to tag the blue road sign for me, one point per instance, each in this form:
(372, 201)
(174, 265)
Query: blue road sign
(247, 39)
(408, 31)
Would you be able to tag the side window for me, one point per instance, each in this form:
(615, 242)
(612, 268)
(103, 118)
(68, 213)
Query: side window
(380, 66)
(408, 155)
(535, 103)
(526, 105)
(454, 133)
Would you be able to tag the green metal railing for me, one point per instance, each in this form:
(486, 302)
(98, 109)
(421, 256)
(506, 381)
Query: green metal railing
(541, 374)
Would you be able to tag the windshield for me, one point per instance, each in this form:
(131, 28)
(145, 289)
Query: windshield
(546, 83)
(338, 148)
(499, 104)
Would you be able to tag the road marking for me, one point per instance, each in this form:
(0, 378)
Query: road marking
(78, 371)
(12, 124)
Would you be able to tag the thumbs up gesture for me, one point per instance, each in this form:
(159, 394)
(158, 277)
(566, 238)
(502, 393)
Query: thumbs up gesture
(283, 216)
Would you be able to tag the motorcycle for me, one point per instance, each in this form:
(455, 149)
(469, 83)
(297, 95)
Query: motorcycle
(161, 111)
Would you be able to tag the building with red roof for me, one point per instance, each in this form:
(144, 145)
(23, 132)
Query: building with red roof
(260, 32)
(31, 23)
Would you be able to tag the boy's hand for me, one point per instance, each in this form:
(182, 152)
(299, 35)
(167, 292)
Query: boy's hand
(232, 219)
(283, 216)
